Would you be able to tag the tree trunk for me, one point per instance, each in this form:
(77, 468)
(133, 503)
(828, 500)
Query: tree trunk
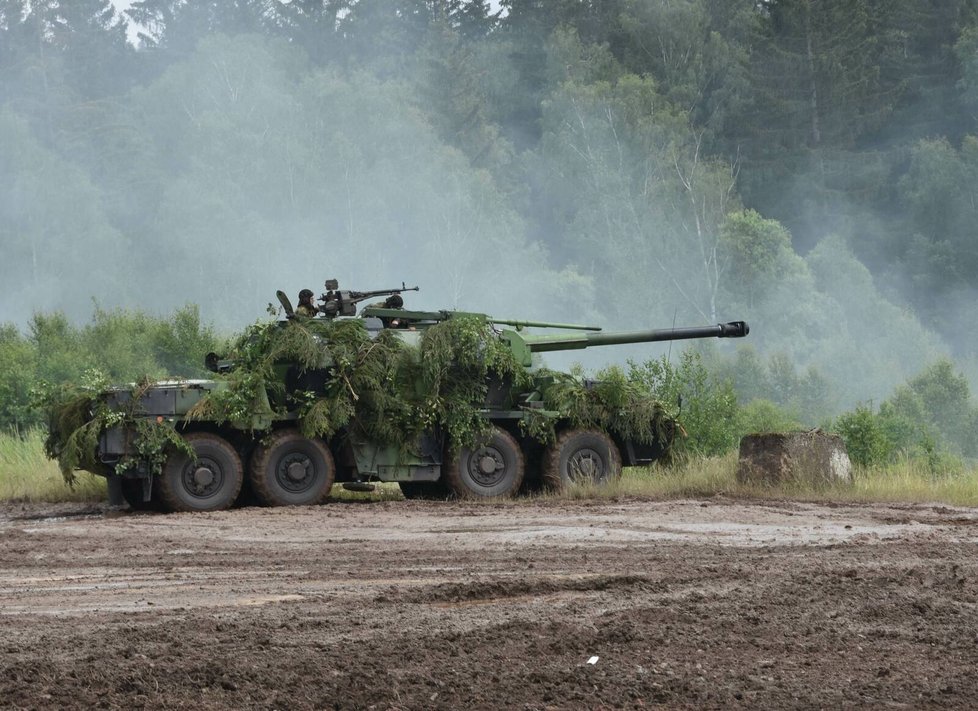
(813, 91)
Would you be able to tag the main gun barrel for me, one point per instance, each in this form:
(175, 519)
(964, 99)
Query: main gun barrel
(546, 343)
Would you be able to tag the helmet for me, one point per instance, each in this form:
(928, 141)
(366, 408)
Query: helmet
(305, 295)
(394, 301)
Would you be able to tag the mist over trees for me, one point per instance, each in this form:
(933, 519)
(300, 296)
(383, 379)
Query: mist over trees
(808, 166)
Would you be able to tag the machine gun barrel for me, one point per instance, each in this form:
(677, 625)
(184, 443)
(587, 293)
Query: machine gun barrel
(357, 296)
(546, 343)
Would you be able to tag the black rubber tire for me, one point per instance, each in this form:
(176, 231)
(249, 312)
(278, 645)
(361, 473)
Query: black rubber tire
(269, 470)
(466, 477)
(132, 492)
(425, 490)
(217, 460)
(581, 457)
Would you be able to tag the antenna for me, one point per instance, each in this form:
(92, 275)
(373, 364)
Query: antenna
(679, 397)
(675, 310)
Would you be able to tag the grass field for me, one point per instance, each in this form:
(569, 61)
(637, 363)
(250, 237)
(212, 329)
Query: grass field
(27, 475)
(904, 482)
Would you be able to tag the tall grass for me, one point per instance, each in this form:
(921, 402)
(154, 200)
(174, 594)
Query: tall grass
(26, 474)
(907, 481)
(700, 477)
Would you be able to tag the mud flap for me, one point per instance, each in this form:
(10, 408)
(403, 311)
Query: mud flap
(114, 486)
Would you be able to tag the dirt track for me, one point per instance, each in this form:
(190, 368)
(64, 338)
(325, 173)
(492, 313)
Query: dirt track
(415, 605)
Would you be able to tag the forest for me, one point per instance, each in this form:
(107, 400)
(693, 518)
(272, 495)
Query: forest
(810, 167)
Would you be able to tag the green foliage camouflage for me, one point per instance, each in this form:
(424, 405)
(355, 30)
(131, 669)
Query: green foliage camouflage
(388, 392)
(78, 415)
(74, 424)
(380, 388)
(366, 391)
(256, 353)
(456, 358)
(612, 402)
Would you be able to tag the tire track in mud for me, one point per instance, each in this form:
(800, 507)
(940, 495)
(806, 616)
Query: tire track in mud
(496, 590)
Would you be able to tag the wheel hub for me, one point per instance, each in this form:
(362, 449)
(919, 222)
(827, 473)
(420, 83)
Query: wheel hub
(295, 471)
(203, 477)
(586, 465)
(487, 466)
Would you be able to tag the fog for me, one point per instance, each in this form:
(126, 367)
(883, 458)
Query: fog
(520, 160)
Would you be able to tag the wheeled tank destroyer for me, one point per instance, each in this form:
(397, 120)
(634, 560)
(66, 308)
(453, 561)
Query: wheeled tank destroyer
(190, 445)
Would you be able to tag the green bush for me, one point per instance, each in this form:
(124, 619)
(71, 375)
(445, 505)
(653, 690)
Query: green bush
(939, 400)
(865, 437)
(891, 435)
(61, 356)
(181, 342)
(765, 416)
(709, 406)
(930, 420)
(127, 344)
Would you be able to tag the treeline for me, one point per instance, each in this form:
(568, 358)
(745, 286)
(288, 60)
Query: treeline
(808, 166)
(117, 346)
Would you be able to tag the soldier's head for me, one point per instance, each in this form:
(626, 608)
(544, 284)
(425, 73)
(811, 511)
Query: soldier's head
(394, 301)
(305, 296)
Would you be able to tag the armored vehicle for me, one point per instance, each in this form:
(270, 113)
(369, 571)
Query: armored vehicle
(445, 403)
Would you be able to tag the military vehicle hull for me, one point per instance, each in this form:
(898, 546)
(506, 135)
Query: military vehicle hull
(289, 415)
(269, 459)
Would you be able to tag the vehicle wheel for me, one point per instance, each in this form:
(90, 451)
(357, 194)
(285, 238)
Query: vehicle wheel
(209, 483)
(493, 469)
(425, 490)
(581, 457)
(291, 470)
(132, 492)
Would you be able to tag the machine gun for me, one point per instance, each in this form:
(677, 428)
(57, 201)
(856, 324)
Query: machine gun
(344, 303)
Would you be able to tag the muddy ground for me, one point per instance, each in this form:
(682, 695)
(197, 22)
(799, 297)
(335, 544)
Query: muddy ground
(410, 605)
